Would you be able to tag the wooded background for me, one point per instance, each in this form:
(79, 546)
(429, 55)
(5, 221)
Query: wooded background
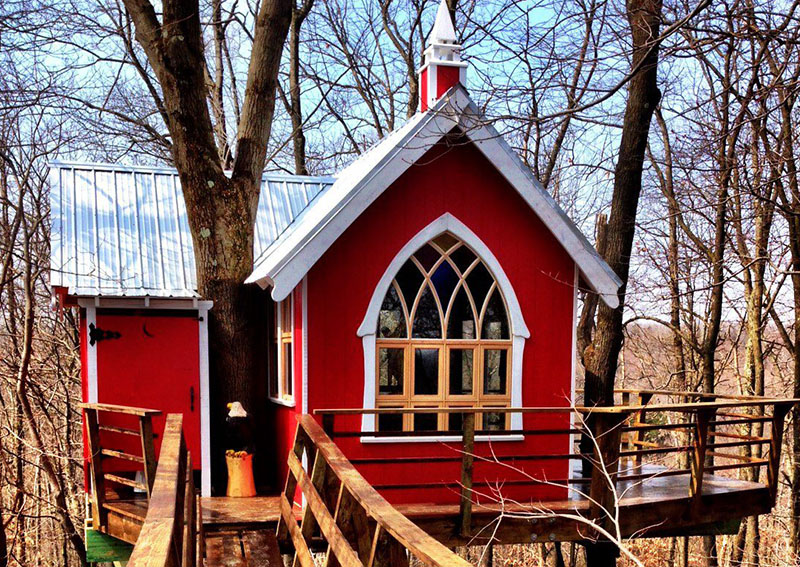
(713, 299)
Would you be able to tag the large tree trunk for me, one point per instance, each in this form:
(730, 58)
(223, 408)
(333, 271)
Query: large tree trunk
(221, 209)
(601, 357)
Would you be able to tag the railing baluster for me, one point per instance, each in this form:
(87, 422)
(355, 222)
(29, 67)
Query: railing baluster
(148, 451)
(779, 412)
(703, 417)
(95, 464)
(467, 464)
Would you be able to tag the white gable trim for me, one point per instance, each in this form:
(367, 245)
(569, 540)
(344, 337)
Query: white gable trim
(367, 330)
(289, 259)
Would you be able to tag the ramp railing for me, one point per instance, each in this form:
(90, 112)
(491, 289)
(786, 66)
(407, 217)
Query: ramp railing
(358, 527)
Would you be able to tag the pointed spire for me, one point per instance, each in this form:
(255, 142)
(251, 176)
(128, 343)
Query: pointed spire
(443, 31)
(442, 68)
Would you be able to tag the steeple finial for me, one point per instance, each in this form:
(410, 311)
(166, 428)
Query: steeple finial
(442, 68)
(443, 31)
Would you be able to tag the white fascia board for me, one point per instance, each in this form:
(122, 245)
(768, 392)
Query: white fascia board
(598, 274)
(363, 181)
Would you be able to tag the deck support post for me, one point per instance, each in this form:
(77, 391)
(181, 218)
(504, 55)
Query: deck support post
(467, 458)
(779, 412)
(148, 451)
(703, 418)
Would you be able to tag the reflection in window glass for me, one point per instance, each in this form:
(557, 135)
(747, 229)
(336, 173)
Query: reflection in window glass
(461, 324)
(461, 371)
(495, 364)
(495, 321)
(427, 324)
(391, 321)
(494, 421)
(426, 371)
(391, 363)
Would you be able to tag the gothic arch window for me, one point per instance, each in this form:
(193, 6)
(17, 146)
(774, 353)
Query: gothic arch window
(443, 340)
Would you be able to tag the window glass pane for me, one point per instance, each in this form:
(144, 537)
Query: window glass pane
(409, 278)
(495, 319)
(427, 256)
(463, 258)
(455, 422)
(390, 422)
(461, 371)
(391, 362)
(444, 280)
(445, 241)
(495, 363)
(479, 281)
(494, 421)
(426, 422)
(427, 324)
(426, 371)
(287, 369)
(391, 321)
(286, 315)
(461, 324)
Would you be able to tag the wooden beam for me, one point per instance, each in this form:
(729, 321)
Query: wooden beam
(467, 449)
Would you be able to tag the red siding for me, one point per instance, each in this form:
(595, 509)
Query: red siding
(446, 77)
(458, 180)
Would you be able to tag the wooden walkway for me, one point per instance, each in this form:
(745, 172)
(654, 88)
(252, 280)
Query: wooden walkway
(242, 548)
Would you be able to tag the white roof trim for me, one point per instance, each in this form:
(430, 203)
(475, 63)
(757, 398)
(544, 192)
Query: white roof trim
(289, 258)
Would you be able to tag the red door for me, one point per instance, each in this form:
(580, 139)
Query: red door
(154, 363)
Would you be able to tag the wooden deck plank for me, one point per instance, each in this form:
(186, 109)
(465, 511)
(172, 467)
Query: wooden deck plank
(224, 549)
(261, 549)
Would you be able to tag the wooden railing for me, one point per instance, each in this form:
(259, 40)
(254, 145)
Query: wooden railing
(169, 535)
(101, 453)
(360, 528)
(633, 442)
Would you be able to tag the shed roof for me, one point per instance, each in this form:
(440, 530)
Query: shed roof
(123, 231)
(286, 260)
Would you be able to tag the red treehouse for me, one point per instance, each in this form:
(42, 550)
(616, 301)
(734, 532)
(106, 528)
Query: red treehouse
(433, 275)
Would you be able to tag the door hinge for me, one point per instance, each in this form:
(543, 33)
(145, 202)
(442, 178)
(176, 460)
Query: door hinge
(96, 334)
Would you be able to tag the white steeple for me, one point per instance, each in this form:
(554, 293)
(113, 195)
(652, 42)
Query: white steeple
(442, 67)
(443, 31)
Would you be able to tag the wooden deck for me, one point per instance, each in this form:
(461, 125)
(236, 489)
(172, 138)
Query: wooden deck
(653, 507)
(242, 548)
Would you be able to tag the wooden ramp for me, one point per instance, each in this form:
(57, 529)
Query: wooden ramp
(242, 548)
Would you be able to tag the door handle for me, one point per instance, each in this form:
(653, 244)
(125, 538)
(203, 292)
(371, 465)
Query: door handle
(191, 398)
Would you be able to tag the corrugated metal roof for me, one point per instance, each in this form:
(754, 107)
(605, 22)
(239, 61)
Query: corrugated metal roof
(123, 231)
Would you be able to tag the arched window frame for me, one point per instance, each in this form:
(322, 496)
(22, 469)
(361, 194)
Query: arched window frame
(518, 329)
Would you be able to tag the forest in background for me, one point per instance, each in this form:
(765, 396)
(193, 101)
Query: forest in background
(713, 300)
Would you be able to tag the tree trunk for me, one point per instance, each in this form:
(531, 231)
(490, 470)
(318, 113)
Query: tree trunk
(601, 357)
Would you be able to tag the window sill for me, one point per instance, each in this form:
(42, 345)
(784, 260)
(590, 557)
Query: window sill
(370, 439)
(282, 402)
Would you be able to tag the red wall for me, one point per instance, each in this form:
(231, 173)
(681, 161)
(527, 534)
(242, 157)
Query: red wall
(458, 180)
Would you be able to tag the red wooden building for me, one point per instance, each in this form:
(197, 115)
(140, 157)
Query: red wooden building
(433, 272)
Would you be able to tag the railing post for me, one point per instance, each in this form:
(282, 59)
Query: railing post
(779, 412)
(467, 457)
(148, 451)
(703, 418)
(607, 433)
(96, 470)
(641, 419)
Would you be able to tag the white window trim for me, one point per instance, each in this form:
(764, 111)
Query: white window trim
(282, 399)
(519, 330)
